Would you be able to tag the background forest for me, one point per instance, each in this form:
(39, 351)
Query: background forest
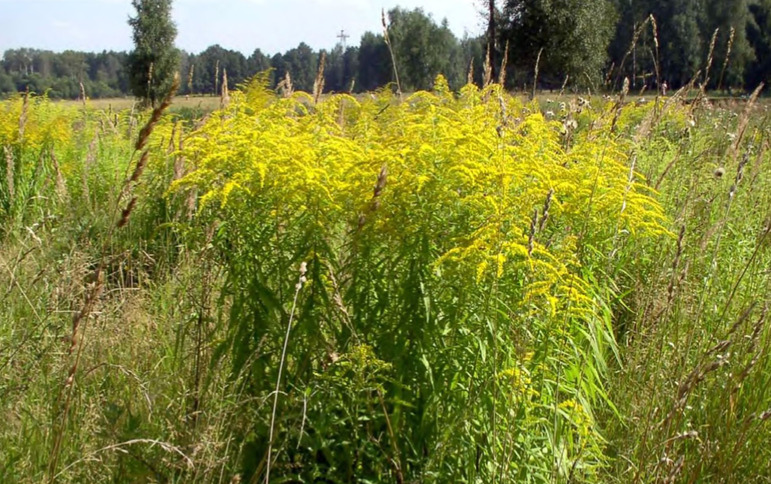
(582, 44)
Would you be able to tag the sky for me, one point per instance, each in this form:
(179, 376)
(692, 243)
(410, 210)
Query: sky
(244, 25)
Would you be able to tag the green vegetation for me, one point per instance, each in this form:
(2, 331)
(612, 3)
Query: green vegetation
(441, 287)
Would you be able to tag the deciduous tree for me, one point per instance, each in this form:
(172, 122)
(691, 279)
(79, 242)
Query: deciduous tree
(154, 60)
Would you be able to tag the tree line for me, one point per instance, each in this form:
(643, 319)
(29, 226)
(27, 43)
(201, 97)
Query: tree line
(423, 46)
(565, 43)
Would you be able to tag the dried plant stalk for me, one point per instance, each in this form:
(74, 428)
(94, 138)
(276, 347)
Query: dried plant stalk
(391, 50)
(502, 76)
(9, 171)
(318, 84)
(727, 57)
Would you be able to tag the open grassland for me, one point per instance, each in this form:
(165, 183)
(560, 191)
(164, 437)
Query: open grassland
(446, 287)
(207, 103)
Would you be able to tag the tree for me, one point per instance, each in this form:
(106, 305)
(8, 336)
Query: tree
(257, 63)
(759, 36)
(153, 62)
(572, 36)
(492, 38)
(422, 49)
(302, 64)
(278, 64)
(727, 16)
(375, 69)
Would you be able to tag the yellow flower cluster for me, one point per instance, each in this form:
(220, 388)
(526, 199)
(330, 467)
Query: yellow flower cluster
(488, 178)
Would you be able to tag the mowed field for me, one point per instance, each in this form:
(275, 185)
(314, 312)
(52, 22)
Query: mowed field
(204, 103)
(436, 287)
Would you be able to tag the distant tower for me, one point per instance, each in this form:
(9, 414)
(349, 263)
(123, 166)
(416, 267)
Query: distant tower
(343, 37)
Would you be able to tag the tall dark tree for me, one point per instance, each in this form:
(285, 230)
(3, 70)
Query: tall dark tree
(257, 62)
(302, 64)
(759, 37)
(726, 16)
(375, 69)
(423, 49)
(492, 37)
(334, 70)
(473, 51)
(154, 61)
(572, 35)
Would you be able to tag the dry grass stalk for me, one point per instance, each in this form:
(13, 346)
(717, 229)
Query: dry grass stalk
(391, 51)
(675, 265)
(132, 121)
(9, 171)
(744, 120)
(564, 84)
(727, 57)
(191, 203)
(739, 175)
(149, 80)
(710, 58)
(171, 147)
(675, 472)
(754, 337)
(24, 112)
(285, 86)
(610, 73)
(318, 83)
(546, 207)
(470, 75)
(380, 184)
(300, 282)
(531, 235)
(502, 76)
(656, 63)
(535, 77)
(190, 79)
(619, 104)
(488, 68)
(756, 166)
(179, 161)
(225, 94)
(216, 77)
(144, 134)
(83, 94)
(629, 51)
(90, 159)
(126, 213)
(61, 186)
(140, 167)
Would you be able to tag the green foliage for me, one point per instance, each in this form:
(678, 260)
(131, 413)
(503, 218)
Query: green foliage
(573, 34)
(759, 37)
(423, 50)
(154, 60)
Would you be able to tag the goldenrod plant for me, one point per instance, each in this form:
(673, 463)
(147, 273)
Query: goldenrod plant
(450, 236)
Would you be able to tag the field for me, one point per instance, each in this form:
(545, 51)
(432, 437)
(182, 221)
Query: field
(439, 287)
(204, 103)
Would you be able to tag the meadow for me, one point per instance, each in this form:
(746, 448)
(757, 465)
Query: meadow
(436, 287)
